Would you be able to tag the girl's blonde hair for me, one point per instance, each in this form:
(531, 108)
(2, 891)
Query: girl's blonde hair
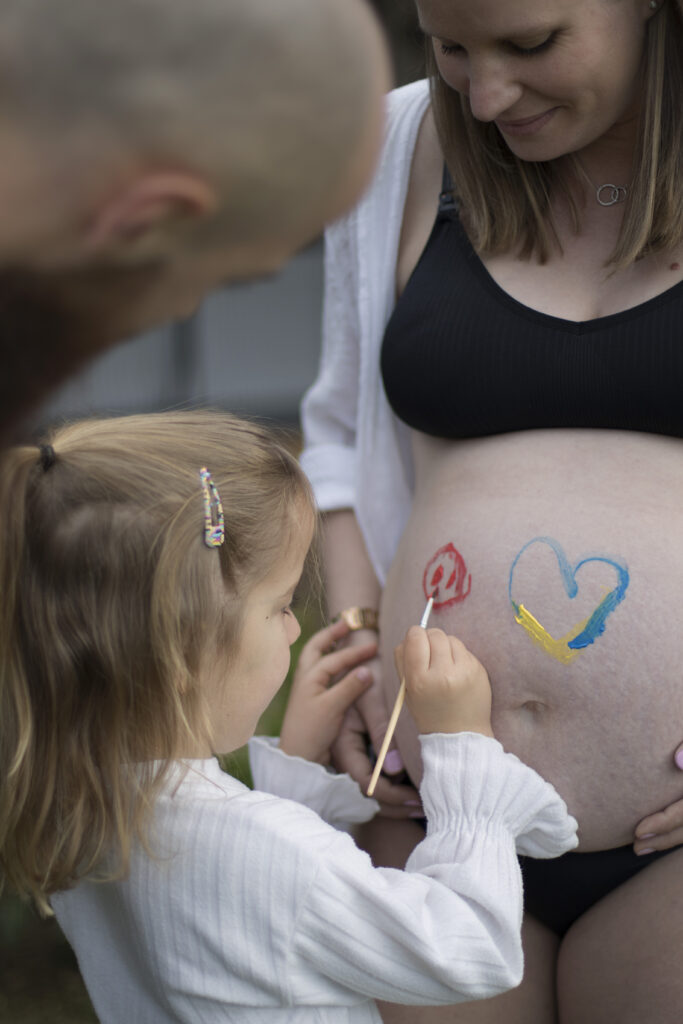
(110, 604)
(507, 200)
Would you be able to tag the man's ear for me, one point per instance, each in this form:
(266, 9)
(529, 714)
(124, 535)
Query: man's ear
(144, 219)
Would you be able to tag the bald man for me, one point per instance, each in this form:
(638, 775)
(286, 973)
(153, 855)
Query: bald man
(155, 148)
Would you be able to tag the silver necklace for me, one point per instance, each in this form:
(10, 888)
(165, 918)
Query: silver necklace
(607, 194)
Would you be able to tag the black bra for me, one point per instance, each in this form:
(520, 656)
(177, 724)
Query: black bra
(461, 358)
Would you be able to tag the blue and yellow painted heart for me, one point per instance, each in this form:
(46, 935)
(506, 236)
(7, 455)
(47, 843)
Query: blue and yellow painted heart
(565, 648)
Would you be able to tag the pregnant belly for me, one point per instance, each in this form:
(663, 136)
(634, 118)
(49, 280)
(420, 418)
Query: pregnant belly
(557, 557)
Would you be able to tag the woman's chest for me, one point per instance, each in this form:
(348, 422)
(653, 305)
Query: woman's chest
(462, 356)
(576, 285)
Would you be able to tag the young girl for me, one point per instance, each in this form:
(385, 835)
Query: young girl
(147, 566)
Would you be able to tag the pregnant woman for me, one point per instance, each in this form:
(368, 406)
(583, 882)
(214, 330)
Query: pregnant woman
(498, 420)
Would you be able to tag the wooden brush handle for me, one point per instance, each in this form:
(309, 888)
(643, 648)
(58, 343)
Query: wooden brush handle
(387, 736)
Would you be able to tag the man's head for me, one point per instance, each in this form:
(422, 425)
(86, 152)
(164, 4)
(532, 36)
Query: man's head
(190, 140)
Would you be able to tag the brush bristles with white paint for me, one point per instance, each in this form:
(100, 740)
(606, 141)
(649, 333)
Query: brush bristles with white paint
(396, 711)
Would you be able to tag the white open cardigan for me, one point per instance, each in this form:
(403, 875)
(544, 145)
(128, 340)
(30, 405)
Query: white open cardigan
(356, 452)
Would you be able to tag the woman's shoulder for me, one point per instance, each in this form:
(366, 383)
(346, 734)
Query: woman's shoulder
(405, 97)
(405, 108)
(369, 233)
(405, 111)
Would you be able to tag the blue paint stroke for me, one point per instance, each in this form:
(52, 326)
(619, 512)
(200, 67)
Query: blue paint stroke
(596, 623)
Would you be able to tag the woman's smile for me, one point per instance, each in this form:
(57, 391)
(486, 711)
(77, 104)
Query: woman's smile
(526, 125)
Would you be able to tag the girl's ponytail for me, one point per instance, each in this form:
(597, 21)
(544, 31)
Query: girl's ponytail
(17, 467)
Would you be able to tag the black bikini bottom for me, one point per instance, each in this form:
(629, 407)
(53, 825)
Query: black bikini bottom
(559, 891)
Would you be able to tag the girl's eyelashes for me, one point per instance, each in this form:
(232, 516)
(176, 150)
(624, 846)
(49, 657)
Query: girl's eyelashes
(293, 599)
(448, 49)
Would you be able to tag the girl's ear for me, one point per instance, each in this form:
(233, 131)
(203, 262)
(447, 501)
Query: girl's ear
(146, 219)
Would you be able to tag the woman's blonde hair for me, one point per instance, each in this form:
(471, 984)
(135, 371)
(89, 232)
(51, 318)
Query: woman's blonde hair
(507, 200)
(110, 602)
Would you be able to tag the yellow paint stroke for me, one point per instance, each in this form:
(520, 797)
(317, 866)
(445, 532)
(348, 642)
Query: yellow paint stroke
(557, 649)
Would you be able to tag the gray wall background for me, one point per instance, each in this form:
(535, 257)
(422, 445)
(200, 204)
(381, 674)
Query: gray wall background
(252, 348)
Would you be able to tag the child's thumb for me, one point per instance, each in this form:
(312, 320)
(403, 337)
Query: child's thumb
(350, 688)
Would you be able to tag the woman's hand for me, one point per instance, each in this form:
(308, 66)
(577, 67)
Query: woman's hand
(367, 721)
(664, 829)
(447, 688)
(316, 709)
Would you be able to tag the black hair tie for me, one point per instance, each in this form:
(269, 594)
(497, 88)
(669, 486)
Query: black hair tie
(47, 456)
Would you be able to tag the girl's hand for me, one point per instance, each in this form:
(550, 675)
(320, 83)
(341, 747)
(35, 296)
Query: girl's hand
(316, 709)
(664, 829)
(447, 688)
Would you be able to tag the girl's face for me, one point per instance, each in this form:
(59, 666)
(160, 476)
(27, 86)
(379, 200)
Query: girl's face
(269, 628)
(554, 75)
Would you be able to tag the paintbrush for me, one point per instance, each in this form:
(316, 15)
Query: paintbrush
(397, 710)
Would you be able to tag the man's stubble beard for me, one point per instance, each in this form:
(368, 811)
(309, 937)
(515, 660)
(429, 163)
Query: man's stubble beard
(52, 323)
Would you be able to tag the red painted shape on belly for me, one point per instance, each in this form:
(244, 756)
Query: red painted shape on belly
(447, 562)
(436, 579)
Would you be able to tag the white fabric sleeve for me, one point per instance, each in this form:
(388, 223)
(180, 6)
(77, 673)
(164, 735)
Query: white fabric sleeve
(336, 798)
(329, 408)
(449, 927)
(357, 454)
(535, 814)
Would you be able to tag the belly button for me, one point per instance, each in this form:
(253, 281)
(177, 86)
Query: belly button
(534, 707)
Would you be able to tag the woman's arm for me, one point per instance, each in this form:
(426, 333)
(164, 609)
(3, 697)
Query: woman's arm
(346, 423)
(349, 576)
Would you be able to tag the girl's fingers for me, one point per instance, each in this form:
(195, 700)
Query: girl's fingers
(423, 649)
(321, 642)
(322, 672)
(441, 653)
(345, 658)
(322, 645)
(343, 694)
(413, 654)
(458, 649)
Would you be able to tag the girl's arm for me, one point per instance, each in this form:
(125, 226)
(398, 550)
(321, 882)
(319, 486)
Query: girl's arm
(446, 929)
(449, 927)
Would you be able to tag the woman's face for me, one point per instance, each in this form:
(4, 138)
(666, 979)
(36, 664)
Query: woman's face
(554, 75)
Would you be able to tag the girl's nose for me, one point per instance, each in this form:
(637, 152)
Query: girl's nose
(294, 629)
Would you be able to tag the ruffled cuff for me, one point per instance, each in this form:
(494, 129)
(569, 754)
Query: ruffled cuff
(336, 798)
(469, 775)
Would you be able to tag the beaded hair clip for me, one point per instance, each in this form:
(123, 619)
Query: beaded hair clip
(214, 520)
